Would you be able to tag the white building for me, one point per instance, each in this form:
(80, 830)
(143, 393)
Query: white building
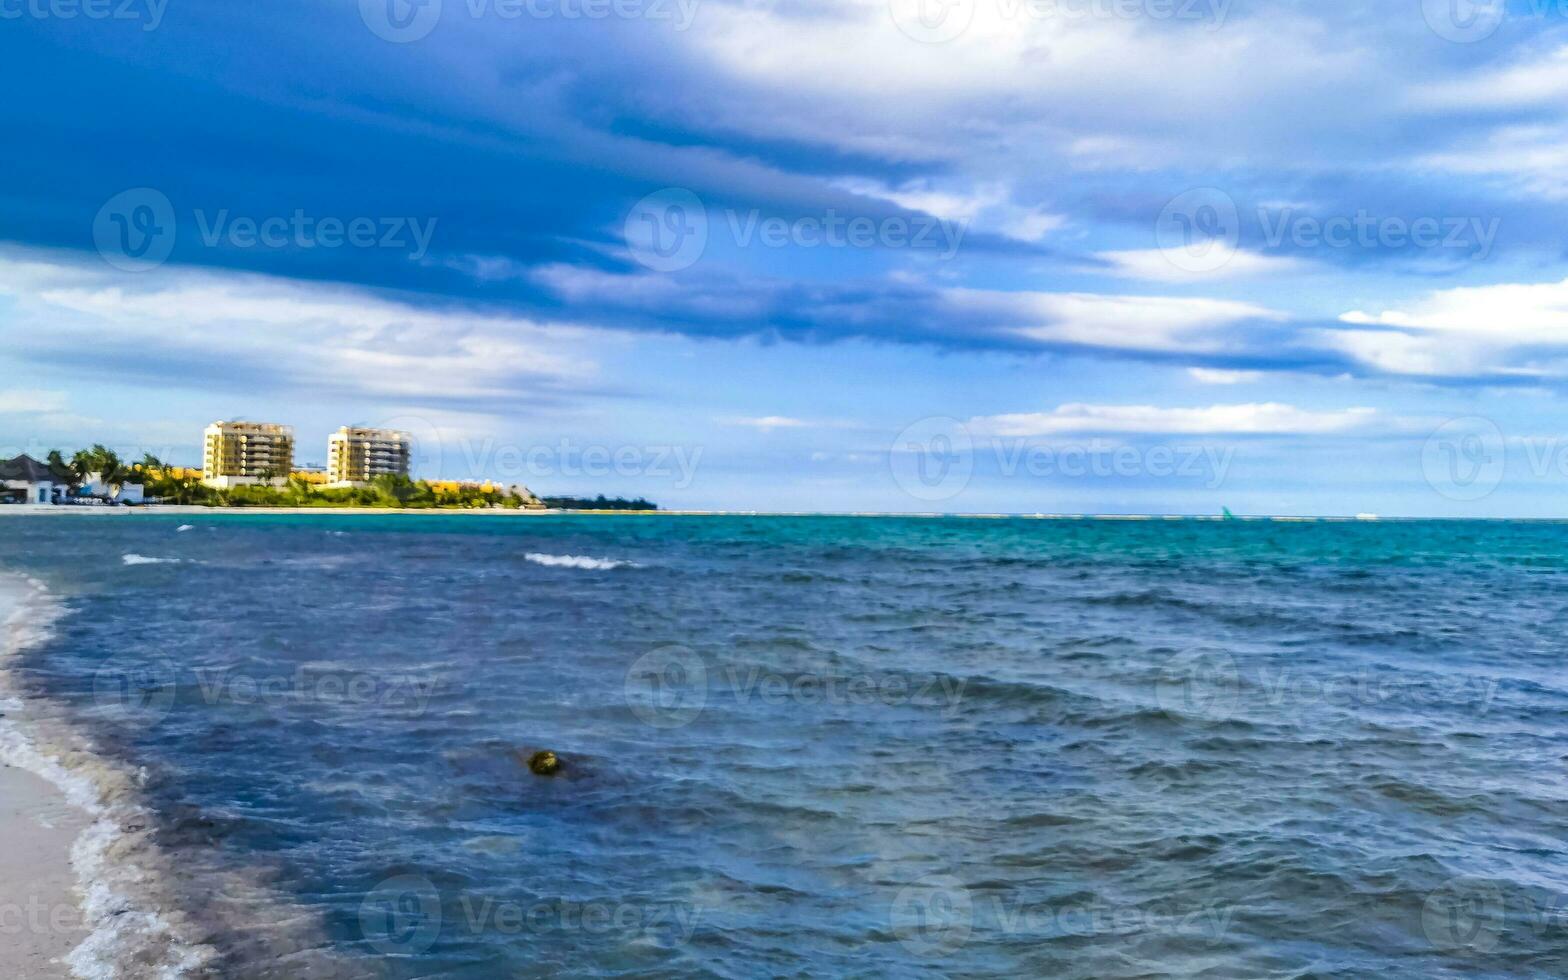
(24, 480)
(123, 493)
(238, 453)
(356, 456)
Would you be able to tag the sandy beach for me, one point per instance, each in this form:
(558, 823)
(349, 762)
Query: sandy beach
(40, 919)
(198, 510)
(194, 509)
(40, 915)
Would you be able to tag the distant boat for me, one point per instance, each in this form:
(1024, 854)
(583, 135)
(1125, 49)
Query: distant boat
(1228, 515)
(1367, 517)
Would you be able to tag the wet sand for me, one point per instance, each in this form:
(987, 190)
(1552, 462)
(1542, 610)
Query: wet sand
(40, 913)
(40, 918)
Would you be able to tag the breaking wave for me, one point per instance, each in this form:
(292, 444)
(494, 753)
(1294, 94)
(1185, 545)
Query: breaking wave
(577, 561)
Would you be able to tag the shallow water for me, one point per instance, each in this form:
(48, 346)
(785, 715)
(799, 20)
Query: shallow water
(827, 746)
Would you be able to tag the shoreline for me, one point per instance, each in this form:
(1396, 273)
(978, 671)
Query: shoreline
(34, 510)
(39, 894)
(84, 889)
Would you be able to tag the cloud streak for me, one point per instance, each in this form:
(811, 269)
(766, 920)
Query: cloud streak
(1264, 418)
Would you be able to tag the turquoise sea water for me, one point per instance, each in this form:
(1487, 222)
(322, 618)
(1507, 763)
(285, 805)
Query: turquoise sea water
(830, 746)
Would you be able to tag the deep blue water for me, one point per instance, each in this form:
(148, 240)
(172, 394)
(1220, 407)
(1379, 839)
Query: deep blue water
(834, 746)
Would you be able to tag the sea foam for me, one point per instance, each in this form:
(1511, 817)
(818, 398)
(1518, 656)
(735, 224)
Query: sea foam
(577, 561)
(114, 864)
(135, 559)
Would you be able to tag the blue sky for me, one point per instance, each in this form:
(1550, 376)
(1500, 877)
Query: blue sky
(1060, 256)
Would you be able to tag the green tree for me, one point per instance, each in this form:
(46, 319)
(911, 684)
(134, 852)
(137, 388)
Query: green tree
(390, 490)
(102, 461)
(59, 468)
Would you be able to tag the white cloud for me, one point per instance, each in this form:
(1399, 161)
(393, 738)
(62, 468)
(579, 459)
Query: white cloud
(1538, 80)
(987, 206)
(1464, 331)
(922, 195)
(578, 284)
(767, 422)
(1016, 85)
(1151, 323)
(1402, 353)
(1031, 224)
(1505, 313)
(1270, 418)
(31, 401)
(1155, 265)
(1528, 159)
(1137, 323)
(1216, 376)
(334, 337)
(1109, 152)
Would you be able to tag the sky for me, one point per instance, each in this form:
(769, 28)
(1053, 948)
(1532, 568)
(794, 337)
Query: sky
(989, 256)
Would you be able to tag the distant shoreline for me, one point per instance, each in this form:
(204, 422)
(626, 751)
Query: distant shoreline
(144, 509)
(197, 510)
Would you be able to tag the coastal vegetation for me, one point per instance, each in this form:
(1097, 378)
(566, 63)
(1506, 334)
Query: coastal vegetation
(100, 462)
(162, 482)
(382, 491)
(600, 502)
(175, 486)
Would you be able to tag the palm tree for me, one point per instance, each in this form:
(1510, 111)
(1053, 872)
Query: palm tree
(59, 468)
(182, 489)
(103, 462)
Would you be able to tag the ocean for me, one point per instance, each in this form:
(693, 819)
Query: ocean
(801, 746)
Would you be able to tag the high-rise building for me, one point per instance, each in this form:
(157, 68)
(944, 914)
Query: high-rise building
(237, 453)
(355, 456)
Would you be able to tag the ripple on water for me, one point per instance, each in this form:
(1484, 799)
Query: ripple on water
(1040, 754)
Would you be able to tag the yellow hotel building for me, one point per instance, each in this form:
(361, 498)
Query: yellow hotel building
(355, 456)
(238, 453)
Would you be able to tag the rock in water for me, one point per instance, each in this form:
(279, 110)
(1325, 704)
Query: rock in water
(544, 763)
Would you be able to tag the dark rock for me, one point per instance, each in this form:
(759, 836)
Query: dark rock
(544, 763)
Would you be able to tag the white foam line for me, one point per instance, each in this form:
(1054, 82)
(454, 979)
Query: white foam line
(121, 929)
(576, 561)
